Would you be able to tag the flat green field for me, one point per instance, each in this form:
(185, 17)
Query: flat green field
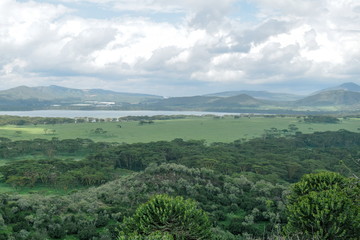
(211, 129)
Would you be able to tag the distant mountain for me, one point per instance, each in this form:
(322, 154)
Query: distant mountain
(349, 86)
(260, 95)
(345, 97)
(237, 101)
(180, 103)
(331, 98)
(208, 103)
(69, 95)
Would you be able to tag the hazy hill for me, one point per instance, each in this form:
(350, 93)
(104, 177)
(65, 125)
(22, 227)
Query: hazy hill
(345, 97)
(56, 93)
(260, 95)
(238, 100)
(194, 102)
(349, 86)
(207, 103)
(331, 98)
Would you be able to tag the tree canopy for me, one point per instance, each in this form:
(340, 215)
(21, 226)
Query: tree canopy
(324, 206)
(175, 216)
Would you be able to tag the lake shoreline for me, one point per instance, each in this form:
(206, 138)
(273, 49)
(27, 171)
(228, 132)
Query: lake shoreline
(108, 113)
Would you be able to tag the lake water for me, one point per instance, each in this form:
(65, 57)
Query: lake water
(105, 114)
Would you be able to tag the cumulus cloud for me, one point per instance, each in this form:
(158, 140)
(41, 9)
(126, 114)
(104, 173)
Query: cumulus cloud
(296, 40)
(208, 46)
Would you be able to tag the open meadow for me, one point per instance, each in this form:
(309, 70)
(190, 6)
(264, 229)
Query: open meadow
(208, 128)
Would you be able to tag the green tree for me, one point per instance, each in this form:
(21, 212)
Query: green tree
(324, 206)
(99, 131)
(180, 218)
(152, 236)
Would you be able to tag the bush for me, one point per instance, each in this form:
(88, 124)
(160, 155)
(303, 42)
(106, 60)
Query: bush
(321, 119)
(152, 236)
(173, 216)
(324, 206)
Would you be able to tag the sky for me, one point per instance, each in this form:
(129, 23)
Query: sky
(180, 48)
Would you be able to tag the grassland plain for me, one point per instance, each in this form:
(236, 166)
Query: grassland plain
(210, 129)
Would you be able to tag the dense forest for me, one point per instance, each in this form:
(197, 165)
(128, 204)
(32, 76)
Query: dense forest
(242, 186)
(274, 159)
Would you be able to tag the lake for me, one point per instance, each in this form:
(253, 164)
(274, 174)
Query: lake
(105, 114)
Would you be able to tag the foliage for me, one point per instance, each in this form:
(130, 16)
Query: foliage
(241, 184)
(181, 218)
(236, 205)
(272, 159)
(320, 119)
(54, 172)
(98, 131)
(152, 236)
(103, 207)
(142, 122)
(324, 206)
(20, 121)
(279, 159)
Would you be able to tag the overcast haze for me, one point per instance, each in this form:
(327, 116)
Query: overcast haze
(180, 48)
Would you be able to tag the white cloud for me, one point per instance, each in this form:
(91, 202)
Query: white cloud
(300, 8)
(23, 23)
(207, 45)
(14, 66)
(219, 75)
(160, 5)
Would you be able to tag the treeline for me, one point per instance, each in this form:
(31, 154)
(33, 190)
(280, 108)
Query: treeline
(156, 117)
(276, 160)
(56, 173)
(21, 120)
(321, 119)
(48, 148)
(17, 120)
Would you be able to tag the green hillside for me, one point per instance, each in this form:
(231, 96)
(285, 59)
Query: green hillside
(69, 95)
(260, 95)
(332, 98)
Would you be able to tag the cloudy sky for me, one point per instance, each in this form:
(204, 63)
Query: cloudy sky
(180, 47)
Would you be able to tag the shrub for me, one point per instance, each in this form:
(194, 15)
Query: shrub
(324, 206)
(172, 216)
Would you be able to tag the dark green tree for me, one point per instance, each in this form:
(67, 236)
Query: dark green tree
(152, 236)
(324, 206)
(180, 218)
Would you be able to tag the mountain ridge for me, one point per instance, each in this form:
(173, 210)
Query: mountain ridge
(337, 98)
(53, 92)
(331, 97)
(260, 95)
(348, 86)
